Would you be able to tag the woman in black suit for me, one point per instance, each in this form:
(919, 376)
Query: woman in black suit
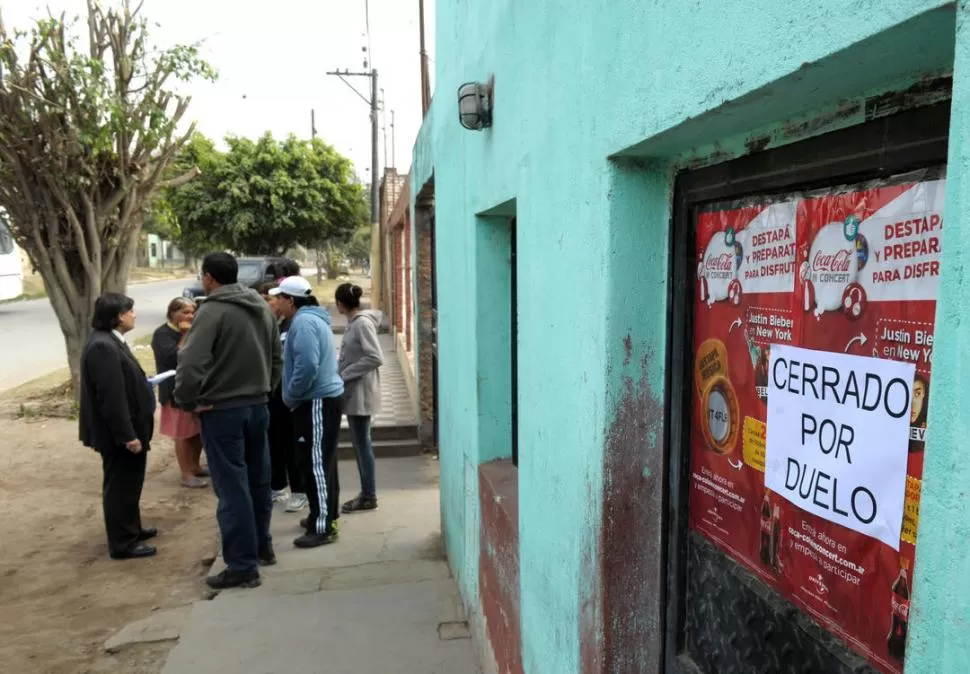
(117, 413)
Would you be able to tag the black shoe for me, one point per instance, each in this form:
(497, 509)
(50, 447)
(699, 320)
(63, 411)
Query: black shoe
(228, 579)
(335, 524)
(135, 552)
(150, 532)
(359, 504)
(267, 557)
(312, 540)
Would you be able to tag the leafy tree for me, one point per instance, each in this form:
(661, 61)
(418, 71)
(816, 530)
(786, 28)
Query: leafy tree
(272, 195)
(159, 218)
(358, 250)
(87, 132)
(196, 207)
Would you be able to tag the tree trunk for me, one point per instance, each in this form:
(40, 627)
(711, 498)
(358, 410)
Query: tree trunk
(332, 257)
(75, 323)
(72, 297)
(319, 254)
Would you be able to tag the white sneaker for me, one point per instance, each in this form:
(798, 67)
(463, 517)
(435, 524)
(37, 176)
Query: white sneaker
(297, 503)
(280, 495)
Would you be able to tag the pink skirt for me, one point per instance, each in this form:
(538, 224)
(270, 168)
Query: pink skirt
(178, 424)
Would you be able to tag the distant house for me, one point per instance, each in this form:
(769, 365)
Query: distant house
(162, 253)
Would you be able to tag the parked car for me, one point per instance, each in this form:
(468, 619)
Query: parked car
(253, 272)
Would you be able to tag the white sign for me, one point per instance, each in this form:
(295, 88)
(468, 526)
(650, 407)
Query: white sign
(838, 437)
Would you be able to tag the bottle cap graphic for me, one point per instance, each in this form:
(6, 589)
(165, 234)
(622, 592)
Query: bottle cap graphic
(722, 415)
(721, 423)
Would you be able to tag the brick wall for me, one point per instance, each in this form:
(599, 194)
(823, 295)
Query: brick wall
(408, 290)
(397, 290)
(394, 197)
(424, 221)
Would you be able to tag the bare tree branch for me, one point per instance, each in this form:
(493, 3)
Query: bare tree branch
(84, 148)
(181, 180)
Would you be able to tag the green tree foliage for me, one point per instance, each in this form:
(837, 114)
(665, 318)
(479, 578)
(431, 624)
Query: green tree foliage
(196, 206)
(358, 249)
(265, 196)
(88, 121)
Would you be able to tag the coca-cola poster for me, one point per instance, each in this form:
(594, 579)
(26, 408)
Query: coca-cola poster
(863, 263)
(742, 308)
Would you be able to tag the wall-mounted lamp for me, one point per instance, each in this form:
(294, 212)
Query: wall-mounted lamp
(475, 105)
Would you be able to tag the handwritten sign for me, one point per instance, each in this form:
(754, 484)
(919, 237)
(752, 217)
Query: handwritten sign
(838, 437)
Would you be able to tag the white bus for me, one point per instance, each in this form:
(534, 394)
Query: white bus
(11, 268)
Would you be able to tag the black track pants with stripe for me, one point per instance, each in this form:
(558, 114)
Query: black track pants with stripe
(317, 429)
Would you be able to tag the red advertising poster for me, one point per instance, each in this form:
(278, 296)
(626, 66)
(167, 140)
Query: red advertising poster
(746, 275)
(867, 261)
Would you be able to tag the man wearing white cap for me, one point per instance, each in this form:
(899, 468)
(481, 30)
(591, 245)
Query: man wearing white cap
(312, 388)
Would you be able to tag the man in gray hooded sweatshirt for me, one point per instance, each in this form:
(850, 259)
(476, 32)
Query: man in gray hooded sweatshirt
(230, 362)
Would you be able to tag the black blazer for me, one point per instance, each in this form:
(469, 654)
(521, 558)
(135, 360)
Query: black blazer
(165, 346)
(117, 403)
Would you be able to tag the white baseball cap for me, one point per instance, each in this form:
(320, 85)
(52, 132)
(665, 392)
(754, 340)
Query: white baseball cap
(293, 286)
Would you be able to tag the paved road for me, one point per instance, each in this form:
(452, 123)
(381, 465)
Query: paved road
(31, 344)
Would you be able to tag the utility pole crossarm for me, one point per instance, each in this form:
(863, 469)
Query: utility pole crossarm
(343, 78)
(373, 103)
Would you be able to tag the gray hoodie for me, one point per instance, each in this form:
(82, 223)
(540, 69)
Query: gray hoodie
(232, 355)
(360, 360)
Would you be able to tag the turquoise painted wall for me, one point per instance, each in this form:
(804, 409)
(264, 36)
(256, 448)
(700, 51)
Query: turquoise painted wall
(939, 639)
(578, 82)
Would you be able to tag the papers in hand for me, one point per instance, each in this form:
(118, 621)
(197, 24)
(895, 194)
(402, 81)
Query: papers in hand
(160, 377)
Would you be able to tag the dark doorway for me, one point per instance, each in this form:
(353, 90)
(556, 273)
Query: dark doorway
(720, 617)
(434, 333)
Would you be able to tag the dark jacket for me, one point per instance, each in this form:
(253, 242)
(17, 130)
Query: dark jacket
(165, 346)
(232, 355)
(117, 404)
(276, 406)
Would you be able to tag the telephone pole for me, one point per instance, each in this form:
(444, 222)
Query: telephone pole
(425, 77)
(375, 209)
(374, 104)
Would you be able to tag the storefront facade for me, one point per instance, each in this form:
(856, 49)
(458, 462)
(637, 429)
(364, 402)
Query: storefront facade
(653, 206)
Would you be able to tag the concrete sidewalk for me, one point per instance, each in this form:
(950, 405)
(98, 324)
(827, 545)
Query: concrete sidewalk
(381, 599)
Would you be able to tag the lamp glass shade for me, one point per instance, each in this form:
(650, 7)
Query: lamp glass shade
(470, 106)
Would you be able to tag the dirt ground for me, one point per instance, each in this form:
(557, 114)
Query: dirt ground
(60, 594)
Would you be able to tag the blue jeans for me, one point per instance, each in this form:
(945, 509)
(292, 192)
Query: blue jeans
(364, 451)
(237, 451)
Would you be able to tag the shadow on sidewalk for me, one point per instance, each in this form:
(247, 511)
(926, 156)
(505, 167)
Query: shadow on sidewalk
(381, 599)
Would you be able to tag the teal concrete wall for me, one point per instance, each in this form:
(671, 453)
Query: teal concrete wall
(579, 83)
(939, 639)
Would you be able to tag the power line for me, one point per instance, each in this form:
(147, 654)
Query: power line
(370, 54)
(373, 102)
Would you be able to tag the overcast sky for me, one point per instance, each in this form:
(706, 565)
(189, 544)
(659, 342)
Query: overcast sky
(273, 56)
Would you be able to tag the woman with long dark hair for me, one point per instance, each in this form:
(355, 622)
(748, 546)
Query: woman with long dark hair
(180, 425)
(360, 361)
